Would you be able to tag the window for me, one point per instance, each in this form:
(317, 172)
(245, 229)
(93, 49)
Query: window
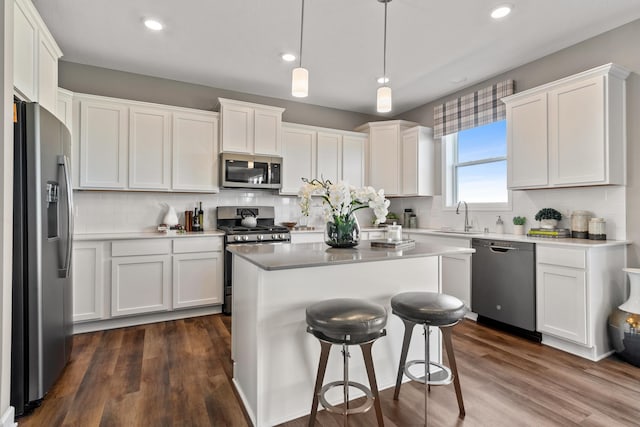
(476, 166)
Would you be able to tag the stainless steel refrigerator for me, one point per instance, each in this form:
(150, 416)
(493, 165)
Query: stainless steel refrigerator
(42, 243)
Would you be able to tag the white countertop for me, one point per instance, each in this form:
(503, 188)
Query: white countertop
(302, 255)
(144, 235)
(586, 243)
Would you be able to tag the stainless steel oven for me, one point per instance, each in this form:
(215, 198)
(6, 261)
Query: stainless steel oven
(229, 219)
(245, 171)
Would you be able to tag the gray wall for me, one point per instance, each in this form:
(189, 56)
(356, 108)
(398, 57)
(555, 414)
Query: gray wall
(119, 84)
(619, 46)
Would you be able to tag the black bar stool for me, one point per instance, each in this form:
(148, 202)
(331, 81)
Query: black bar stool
(429, 309)
(346, 321)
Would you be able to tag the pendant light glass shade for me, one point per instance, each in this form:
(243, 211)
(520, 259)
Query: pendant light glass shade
(300, 82)
(384, 99)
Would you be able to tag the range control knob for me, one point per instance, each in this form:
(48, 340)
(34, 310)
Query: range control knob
(245, 238)
(274, 236)
(260, 237)
(237, 238)
(281, 236)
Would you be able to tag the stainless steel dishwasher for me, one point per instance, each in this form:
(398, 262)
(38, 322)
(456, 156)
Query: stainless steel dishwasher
(503, 285)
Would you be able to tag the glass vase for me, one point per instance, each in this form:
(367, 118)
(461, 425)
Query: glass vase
(342, 232)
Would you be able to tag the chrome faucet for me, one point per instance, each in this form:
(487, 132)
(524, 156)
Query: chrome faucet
(467, 227)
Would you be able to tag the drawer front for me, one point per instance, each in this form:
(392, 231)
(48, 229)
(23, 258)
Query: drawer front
(197, 244)
(566, 257)
(140, 247)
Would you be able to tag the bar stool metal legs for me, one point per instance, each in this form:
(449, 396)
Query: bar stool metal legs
(446, 337)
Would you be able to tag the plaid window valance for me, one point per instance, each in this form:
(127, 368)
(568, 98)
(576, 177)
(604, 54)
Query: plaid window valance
(474, 109)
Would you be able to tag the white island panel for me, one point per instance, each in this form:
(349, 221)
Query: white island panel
(275, 359)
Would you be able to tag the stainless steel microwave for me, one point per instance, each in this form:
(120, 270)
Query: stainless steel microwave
(247, 171)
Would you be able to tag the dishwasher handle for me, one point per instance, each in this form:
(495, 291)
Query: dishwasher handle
(502, 249)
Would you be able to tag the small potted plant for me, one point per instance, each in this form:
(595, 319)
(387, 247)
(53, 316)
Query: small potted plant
(518, 224)
(548, 218)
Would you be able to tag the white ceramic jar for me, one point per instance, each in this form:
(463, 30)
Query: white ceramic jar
(597, 229)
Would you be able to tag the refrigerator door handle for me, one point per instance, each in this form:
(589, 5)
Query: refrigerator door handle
(64, 162)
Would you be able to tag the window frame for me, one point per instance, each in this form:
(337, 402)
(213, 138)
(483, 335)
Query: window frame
(449, 174)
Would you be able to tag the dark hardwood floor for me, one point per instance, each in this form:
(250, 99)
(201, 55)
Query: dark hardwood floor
(179, 374)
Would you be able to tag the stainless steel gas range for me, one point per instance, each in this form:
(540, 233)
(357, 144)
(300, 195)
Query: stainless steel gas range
(244, 225)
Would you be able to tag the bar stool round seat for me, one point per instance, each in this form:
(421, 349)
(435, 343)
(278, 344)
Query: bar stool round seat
(346, 321)
(432, 308)
(429, 309)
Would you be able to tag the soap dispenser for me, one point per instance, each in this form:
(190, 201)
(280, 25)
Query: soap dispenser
(499, 226)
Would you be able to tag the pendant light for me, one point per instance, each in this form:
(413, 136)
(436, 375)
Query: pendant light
(300, 76)
(384, 92)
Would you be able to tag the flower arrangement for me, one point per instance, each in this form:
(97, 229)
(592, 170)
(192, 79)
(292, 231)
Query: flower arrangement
(340, 201)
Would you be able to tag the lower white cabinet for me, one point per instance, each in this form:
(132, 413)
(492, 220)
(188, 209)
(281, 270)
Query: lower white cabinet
(196, 279)
(120, 278)
(576, 290)
(88, 281)
(140, 284)
(562, 302)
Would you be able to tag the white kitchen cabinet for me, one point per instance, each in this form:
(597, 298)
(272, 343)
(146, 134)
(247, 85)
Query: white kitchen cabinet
(576, 290)
(322, 153)
(418, 178)
(195, 152)
(456, 269)
(527, 142)
(197, 279)
(570, 132)
(64, 109)
(35, 57)
(149, 148)
(140, 284)
(130, 145)
(250, 128)
(103, 144)
(298, 159)
(328, 156)
(120, 283)
(88, 281)
(140, 276)
(562, 302)
(353, 159)
(401, 158)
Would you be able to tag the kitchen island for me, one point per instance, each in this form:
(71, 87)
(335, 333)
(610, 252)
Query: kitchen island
(275, 360)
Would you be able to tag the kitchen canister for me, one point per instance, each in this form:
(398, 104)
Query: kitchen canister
(580, 224)
(394, 233)
(597, 229)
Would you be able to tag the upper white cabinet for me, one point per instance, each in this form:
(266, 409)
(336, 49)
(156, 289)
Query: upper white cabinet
(103, 144)
(35, 57)
(401, 158)
(128, 145)
(250, 128)
(570, 132)
(64, 109)
(322, 153)
(149, 148)
(298, 157)
(195, 152)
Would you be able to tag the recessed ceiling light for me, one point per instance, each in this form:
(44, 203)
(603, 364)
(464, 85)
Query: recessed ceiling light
(152, 24)
(383, 80)
(289, 57)
(501, 11)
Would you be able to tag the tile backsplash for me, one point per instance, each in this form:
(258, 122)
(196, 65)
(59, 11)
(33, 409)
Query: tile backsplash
(607, 202)
(115, 211)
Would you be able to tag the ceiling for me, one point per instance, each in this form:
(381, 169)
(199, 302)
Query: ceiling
(433, 47)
